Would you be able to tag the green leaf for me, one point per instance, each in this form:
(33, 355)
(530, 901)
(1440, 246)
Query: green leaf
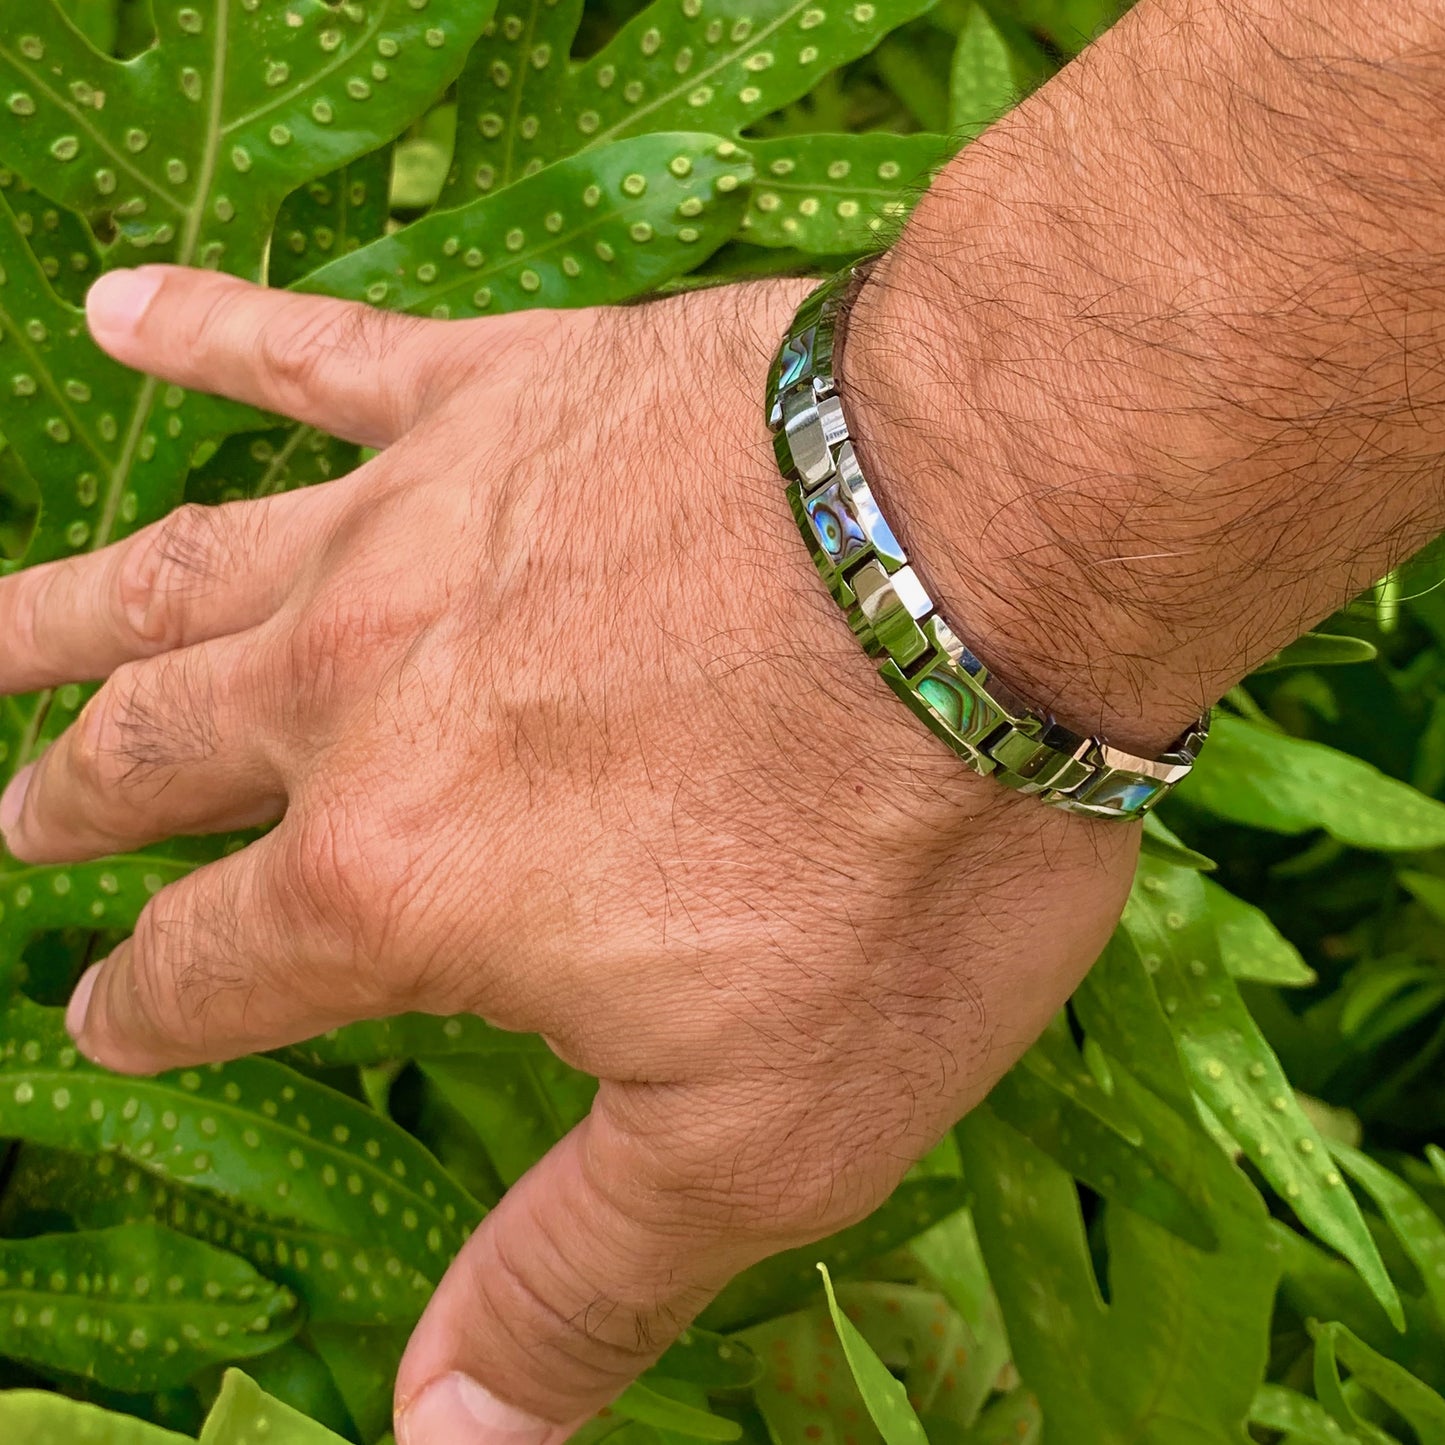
(1318, 1284)
(137, 1307)
(37, 1417)
(1235, 1072)
(60, 241)
(1159, 842)
(97, 20)
(331, 216)
(1426, 888)
(885, 1397)
(1411, 1398)
(1121, 1015)
(359, 1279)
(109, 894)
(260, 464)
(917, 73)
(982, 85)
(809, 1392)
(1413, 1222)
(1176, 1355)
(412, 1036)
(86, 428)
(1304, 1420)
(1250, 946)
(191, 147)
(1125, 1150)
(592, 230)
(363, 1362)
(252, 1131)
(244, 1414)
(788, 1279)
(1012, 1419)
(835, 195)
(518, 1104)
(296, 1376)
(679, 65)
(637, 1402)
(1320, 649)
(517, 77)
(712, 1361)
(949, 1251)
(925, 1341)
(1269, 780)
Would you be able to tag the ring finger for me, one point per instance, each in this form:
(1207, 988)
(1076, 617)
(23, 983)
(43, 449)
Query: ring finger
(169, 745)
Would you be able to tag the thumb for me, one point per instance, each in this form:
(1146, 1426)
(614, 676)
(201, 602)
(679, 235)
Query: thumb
(591, 1265)
(360, 373)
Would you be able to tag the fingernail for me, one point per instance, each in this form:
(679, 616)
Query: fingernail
(116, 303)
(455, 1410)
(13, 799)
(79, 1005)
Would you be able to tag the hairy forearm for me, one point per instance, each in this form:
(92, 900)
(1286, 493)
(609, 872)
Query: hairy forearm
(1156, 375)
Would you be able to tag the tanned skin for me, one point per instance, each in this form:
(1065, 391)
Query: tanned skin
(557, 724)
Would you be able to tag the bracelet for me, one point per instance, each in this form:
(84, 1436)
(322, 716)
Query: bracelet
(892, 613)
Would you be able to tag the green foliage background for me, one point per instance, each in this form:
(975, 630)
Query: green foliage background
(1207, 1206)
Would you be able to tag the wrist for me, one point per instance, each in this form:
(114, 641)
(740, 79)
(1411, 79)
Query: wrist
(1150, 382)
(1019, 511)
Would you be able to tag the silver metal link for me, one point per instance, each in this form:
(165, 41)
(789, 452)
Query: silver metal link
(891, 612)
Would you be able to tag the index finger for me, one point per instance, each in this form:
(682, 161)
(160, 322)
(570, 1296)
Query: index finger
(360, 373)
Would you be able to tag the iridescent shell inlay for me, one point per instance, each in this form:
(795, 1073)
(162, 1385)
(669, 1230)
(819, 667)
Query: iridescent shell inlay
(953, 702)
(834, 524)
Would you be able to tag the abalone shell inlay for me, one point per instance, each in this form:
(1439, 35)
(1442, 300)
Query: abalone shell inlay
(799, 351)
(953, 702)
(834, 524)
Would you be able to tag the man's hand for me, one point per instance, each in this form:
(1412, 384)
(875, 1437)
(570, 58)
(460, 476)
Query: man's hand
(561, 727)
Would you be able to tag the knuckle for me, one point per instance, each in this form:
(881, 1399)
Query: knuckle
(145, 721)
(297, 346)
(179, 962)
(290, 354)
(33, 608)
(163, 568)
(596, 1349)
(98, 748)
(339, 630)
(341, 894)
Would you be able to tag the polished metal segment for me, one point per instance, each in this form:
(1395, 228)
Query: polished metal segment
(888, 615)
(830, 414)
(891, 612)
(863, 506)
(812, 456)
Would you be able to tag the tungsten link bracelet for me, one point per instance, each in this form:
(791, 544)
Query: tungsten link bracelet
(893, 615)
